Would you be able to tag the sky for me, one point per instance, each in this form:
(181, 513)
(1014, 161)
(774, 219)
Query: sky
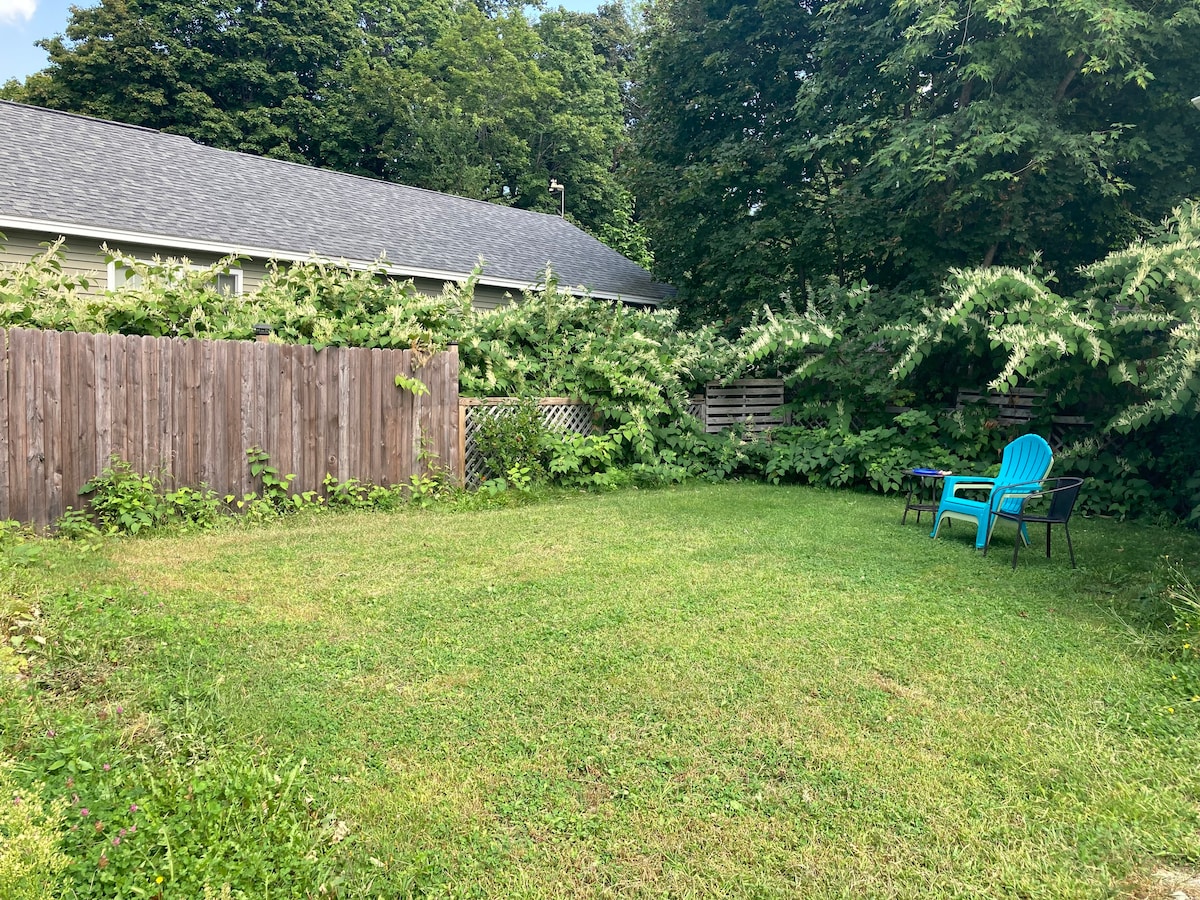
(21, 23)
(24, 21)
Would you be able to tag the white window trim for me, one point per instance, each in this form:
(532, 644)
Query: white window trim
(235, 274)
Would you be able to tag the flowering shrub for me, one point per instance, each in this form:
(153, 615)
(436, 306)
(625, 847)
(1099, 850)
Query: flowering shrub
(1122, 352)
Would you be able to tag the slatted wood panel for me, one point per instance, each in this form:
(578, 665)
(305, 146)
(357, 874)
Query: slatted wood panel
(557, 412)
(1018, 406)
(190, 409)
(753, 402)
(1021, 406)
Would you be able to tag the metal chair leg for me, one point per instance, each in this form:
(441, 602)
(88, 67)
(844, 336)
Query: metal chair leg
(1070, 549)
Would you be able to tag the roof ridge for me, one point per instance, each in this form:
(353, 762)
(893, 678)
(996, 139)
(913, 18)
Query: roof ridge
(269, 159)
(368, 178)
(97, 119)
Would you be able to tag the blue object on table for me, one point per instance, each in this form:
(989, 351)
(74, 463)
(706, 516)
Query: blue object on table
(1026, 461)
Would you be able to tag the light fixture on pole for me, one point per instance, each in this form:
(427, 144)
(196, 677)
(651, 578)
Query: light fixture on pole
(555, 186)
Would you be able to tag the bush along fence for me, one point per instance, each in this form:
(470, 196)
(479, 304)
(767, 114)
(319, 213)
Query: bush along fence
(190, 410)
(475, 414)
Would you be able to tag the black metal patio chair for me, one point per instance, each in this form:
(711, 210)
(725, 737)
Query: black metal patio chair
(1050, 501)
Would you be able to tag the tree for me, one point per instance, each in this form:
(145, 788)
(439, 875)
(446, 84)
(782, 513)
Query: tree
(781, 144)
(241, 76)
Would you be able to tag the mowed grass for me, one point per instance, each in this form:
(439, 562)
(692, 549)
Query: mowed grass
(709, 691)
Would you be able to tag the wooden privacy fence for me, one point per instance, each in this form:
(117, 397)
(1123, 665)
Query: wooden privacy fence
(190, 409)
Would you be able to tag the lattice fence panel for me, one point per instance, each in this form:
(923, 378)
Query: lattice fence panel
(558, 413)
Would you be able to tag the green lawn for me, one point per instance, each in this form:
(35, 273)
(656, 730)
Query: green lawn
(702, 692)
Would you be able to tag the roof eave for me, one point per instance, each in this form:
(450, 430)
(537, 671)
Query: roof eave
(72, 229)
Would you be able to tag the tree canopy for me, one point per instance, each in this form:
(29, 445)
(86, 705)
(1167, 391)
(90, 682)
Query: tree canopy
(783, 144)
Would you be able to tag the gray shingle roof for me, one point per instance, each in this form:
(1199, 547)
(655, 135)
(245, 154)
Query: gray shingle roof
(103, 175)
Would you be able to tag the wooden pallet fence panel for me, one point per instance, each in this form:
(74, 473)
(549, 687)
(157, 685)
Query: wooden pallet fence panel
(753, 402)
(1018, 406)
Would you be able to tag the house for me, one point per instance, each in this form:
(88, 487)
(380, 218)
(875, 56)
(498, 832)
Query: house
(148, 193)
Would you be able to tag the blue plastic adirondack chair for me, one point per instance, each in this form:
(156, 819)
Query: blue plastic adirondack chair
(1025, 461)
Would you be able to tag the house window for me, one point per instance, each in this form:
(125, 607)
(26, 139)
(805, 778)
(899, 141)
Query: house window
(229, 282)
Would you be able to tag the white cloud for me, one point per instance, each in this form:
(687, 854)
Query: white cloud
(16, 10)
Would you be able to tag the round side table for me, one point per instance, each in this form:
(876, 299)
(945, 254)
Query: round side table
(924, 491)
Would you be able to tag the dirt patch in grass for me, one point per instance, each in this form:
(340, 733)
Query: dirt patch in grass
(1165, 884)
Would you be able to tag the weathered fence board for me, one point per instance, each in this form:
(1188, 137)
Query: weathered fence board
(190, 409)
